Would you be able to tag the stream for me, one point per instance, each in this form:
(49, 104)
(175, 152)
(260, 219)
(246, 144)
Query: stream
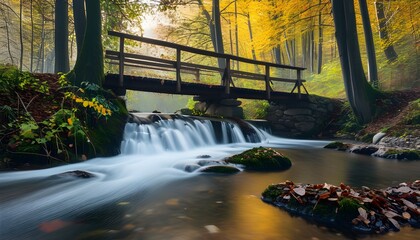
(145, 193)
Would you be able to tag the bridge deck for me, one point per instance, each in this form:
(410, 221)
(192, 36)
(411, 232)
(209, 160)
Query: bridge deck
(179, 65)
(188, 88)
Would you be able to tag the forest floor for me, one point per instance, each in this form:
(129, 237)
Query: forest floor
(397, 115)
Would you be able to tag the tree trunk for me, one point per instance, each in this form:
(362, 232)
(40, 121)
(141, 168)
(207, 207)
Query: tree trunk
(79, 22)
(254, 56)
(304, 55)
(320, 40)
(61, 36)
(389, 50)
(89, 65)
(360, 94)
(32, 37)
(6, 26)
(288, 52)
(370, 47)
(277, 54)
(21, 34)
(311, 51)
(218, 32)
(236, 33)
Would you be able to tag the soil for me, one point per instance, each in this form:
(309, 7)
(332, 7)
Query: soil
(393, 114)
(41, 106)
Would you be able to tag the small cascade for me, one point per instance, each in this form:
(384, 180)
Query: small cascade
(182, 134)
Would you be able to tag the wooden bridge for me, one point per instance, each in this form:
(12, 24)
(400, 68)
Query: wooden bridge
(226, 89)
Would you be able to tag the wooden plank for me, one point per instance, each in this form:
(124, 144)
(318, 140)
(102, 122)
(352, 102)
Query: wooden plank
(248, 75)
(140, 62)
(201, 67)
(276, 79)
(141, 57)
(210, 91)
(198, 51)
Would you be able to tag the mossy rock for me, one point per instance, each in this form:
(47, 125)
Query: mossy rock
(106, 134)
(347, 209)
(413, 115)
(261, 159)
(403, 154)
(337, 145)
(271, 193)
(225, 169)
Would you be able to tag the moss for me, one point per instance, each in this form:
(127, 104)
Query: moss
(260, 158)
(106, 134)
(325, 210)
(272, 192)
(347, 209)
(403, 154)
(337, 145)
(413, 115)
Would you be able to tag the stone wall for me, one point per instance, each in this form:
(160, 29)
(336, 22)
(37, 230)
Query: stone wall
(301, 118)
(223, 107)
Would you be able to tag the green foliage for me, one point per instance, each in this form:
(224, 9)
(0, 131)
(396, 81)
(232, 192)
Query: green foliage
(272, 192)
(413, 115)
(261, 158)
(337, 145)
(403, 154)
(191, 103)
(255, 109)
(348, 209)
(329, 83)
(54, 135)
(348, 121)
(65, 135)
(11, 79)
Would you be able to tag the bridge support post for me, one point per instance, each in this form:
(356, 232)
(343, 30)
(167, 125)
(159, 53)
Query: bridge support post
(267, 81)
(227, 76)
(221, 107)
(178, 70)
(121, 91)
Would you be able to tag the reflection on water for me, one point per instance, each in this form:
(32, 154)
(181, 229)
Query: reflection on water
(151, 197)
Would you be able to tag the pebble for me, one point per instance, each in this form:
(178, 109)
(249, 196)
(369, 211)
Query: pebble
(212, 229)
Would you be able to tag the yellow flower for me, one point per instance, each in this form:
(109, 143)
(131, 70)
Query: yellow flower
(85, 103)
(70, 121)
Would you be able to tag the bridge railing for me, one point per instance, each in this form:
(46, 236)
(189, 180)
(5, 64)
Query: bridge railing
(138, 60)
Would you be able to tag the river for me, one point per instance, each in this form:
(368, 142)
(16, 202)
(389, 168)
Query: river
(144, 193)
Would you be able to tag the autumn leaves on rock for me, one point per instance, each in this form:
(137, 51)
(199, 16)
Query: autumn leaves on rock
(363, 211)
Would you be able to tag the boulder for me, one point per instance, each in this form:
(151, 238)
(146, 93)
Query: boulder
(377, 137)
(261, 159)
(220, 169)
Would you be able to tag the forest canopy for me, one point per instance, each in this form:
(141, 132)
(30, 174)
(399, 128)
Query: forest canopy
(291, 32)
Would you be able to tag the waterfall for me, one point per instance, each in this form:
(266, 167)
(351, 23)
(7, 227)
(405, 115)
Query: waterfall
(174, 135)
(151, 154)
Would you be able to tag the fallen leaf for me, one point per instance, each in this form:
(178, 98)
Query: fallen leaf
(411, 206)
(406, 215)
(299, 191)
(390, 214)
(362, 212)
(212, 228)
(403, 190)
(395, 223)
(52, 226)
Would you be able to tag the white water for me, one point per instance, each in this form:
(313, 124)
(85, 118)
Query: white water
(151, 155)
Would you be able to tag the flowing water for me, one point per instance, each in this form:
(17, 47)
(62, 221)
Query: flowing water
(144, 193)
